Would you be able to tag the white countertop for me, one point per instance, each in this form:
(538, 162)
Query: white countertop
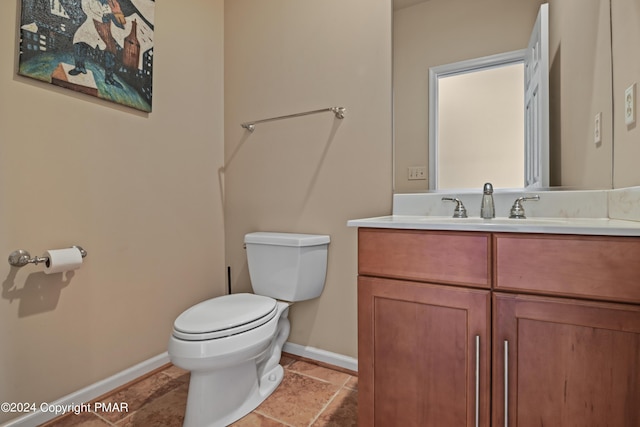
(586, 226)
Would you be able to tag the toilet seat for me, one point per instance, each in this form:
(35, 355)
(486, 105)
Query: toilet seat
(224, 316)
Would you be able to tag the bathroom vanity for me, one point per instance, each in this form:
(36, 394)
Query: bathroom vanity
(482, 323)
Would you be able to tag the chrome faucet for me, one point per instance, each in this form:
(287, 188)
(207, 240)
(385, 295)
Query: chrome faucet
(517, 210)
(460, 211)
(487, 209)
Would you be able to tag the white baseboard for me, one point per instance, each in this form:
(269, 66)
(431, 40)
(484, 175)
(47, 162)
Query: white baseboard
(322, 356)
(90, 392)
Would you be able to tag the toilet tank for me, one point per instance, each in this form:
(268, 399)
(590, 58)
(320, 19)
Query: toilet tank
(287, 266)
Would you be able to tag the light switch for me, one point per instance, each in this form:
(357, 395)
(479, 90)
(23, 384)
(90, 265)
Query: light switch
(416, 173)
(630, 105)
(597, 129)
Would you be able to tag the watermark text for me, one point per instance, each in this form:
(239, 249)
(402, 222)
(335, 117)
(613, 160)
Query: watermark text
(63, 408)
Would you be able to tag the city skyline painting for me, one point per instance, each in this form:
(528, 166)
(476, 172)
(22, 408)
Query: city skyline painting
(102, 48)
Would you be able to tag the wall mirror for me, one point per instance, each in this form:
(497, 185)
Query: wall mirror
(432, 33)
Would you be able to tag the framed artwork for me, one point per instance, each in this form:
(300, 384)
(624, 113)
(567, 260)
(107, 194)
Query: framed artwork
(103, 48)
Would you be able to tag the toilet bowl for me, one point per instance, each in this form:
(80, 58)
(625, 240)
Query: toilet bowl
(232, 344)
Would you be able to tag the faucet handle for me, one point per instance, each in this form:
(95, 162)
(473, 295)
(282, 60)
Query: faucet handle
(517, 210)
(460, 211)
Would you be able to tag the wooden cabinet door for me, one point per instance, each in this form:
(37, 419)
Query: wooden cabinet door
(569, 362)
(417, 354)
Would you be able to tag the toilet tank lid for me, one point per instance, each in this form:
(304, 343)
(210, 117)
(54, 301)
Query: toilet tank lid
(286, 239)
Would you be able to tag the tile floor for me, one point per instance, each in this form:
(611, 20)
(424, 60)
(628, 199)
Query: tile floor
(310, 395)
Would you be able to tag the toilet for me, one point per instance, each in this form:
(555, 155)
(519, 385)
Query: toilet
(232, 344)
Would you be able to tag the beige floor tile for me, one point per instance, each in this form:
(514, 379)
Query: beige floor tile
(298, 400)
(341, 412)
(257, 420)
(352, 383)
(175, 372)
(85, 419)
(166, 411)
(142, 393)
(286, 360)
(319, 372)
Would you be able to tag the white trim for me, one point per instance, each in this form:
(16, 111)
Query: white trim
(320, 355)
(91, 392)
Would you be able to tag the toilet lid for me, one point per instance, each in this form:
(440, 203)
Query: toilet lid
(224, 316)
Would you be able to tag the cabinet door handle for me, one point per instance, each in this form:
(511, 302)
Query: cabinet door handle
(506, 383)
(477, 380)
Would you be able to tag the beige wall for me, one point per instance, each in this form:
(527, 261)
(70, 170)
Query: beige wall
(140, 193)
(579, 88)
(308, 174)
(626, 71)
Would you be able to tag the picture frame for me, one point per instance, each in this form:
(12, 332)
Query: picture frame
(102, 48)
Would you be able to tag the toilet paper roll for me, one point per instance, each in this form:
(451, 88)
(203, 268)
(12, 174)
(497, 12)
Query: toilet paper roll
(62, 260)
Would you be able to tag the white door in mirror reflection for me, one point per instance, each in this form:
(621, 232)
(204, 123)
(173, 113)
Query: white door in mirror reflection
(536, 83)
(484, 127)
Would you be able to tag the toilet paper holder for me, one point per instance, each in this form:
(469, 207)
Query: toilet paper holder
(20, 258)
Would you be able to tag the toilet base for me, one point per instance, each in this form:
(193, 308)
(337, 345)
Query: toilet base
(221, 393)
(211, 397)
